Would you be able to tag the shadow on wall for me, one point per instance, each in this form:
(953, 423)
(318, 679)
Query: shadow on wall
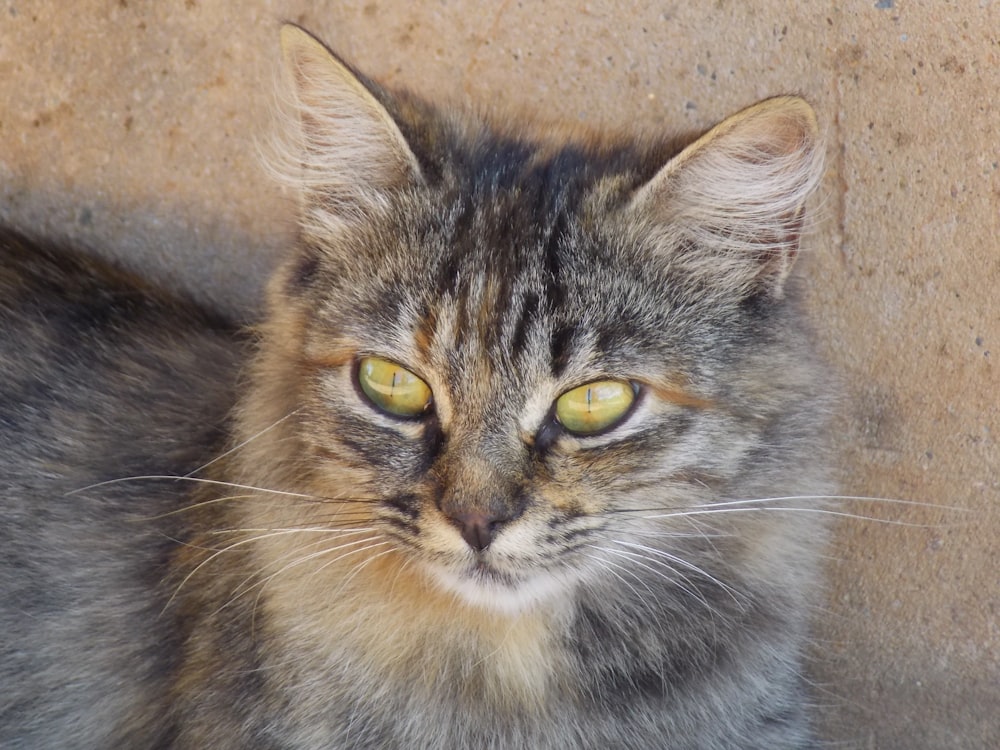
(174, 245)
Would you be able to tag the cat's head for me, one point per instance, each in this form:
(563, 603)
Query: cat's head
(521, 366)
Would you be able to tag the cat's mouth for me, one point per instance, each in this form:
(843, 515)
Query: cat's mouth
(485, 585)
(483, 571)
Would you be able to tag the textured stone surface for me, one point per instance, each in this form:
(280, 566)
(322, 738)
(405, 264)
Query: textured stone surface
(132, 126)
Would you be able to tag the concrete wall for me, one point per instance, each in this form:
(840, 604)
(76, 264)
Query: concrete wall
(131, 125)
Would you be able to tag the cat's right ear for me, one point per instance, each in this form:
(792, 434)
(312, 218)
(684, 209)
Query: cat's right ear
(350, 153)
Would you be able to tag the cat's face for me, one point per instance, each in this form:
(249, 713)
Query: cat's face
(509, 319)
(523, 368)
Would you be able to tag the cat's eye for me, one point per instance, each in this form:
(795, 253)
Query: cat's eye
(591, 408)
(392, 388)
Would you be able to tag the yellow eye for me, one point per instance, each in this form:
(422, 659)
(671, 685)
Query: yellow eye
(595, 406)
(393, 388)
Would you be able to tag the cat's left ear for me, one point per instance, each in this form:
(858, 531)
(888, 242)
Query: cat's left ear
(351, 152)
(729, 208)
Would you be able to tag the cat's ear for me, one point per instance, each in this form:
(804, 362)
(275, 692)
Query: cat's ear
(351, 152)
(729, 207)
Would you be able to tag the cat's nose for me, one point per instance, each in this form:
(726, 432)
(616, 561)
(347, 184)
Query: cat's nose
(478, 493)
(478, 528)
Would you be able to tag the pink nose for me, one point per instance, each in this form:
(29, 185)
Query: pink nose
(478, 528)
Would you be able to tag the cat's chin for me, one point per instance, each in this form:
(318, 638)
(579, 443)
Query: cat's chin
(487, 588)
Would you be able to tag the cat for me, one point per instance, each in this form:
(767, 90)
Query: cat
(521, 455)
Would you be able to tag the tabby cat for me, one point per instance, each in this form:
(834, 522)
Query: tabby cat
(517, 459)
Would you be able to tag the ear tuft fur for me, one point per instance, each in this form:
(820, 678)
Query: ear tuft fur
(343, 151)
(730, 206)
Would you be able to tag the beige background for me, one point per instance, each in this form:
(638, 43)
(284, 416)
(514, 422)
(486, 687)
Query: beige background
(132, 125)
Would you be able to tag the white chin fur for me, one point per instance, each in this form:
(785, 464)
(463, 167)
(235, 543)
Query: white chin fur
(508, 597)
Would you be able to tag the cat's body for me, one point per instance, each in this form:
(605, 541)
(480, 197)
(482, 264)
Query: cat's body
(102, 378)
(474, 568)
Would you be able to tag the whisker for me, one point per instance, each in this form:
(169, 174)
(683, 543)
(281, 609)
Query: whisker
(263, 582)
(342, 502)
(682, 581)
(252, 579)
(269, 532)
(199, 480)
(632, 525)
(228, 548)
(736, 595)
(853, 498)
(611, 566)
(790, 498)
(243, 444)
(358, 568)
(708, 511)
(407, 562)
(195, 506)
(633, 559)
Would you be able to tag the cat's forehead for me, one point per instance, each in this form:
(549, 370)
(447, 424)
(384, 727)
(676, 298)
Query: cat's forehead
(525, 221)
(529, 292)
(514, 262)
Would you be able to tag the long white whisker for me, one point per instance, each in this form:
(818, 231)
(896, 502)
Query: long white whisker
(358, 568)
(243, 444)
(228, 548)
(685, 583)
(637, 560)
(635, 527)
(854, 498)
(610, 567)
(302, 560)
(253, 581)
(323, 541)
(269, 532)
(201, 480)
(733, 593)
(744, 503)
(328, 563)
(708, 511)
(194, 506)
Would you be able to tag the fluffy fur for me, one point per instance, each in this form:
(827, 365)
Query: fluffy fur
(309, 583)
